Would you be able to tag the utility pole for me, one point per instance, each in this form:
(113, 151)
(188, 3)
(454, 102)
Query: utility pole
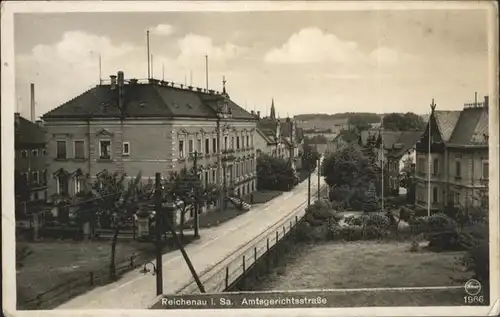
(196, 198)
(309, 179)
(159, 231)
(319, 178)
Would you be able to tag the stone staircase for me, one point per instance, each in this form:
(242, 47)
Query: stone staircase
(239, 203)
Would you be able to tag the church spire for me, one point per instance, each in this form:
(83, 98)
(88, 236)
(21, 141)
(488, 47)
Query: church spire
(273, 111)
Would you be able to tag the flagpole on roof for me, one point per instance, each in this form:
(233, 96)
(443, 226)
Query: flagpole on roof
(429, 161)
(149, 56)
(382, 151)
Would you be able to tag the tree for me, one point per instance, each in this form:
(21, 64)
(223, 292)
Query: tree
(274, 173)
(403, 122)
(371, 202)
(349, 167)
(116, 202)
(407, 180)
(185, 189)
(309, 157)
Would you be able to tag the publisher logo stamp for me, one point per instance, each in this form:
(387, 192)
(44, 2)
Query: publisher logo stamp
(472, 287)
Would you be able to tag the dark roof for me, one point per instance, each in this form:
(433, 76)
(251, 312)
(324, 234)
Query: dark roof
(446, 121)
(405, 141)
(146, 100)
(471, 127)
(27, 132)
(269, 139)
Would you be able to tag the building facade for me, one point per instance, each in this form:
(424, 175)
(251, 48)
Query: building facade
(455, 165)
(30, 160)
(132, 127)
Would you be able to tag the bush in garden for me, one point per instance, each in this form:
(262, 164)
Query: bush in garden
(371, 202)
(477, 260)
(406, 214)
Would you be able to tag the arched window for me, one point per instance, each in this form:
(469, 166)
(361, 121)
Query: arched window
(62, 184)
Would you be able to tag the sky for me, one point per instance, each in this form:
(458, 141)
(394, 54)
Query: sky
(307, 61)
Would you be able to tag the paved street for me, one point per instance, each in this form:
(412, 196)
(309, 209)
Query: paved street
(137, 291)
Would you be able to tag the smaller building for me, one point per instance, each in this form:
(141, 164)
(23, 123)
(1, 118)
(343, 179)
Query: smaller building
(30, 160)
(393, 149)
(343, 138)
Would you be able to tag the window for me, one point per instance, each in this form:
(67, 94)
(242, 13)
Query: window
(435, 195)
(238, 142)
(207, 146)
(214, 145)
(44, 177)
(435, 167)
(191, 146)
(225, 143)
(105, 149)
(78, 184)
(24, 154)
(232, 142)
(126, 148)
(34, 153)
(458, 169)
(44, 151)
(456, 199)
(485, 169)
(421, 165)
(79, 148)
(243, 142)
(198, 147)
(181, 148)
(248, 141)
(36, 177)
(62, 184)
(214, 177)
(206, 179)
(61, 150)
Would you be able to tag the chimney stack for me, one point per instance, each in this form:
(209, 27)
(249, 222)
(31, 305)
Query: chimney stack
(33, 119)
(113, 82)
(258, 114)
(120, 79)
(39, 123)
(252, 112)
(17, 118)
(486, 101)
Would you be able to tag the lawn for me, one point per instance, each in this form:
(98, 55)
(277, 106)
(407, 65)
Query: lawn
(54, 264)
(354, 265)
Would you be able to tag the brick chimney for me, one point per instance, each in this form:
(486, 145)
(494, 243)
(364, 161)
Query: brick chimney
(486, 102)
(17, 118)
(258, 114)
(113, 82)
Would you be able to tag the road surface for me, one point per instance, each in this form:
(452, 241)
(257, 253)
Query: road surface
(137, 291)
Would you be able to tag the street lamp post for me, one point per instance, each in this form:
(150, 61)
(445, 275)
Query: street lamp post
(159, 232)
(196, 198)
(308, 157)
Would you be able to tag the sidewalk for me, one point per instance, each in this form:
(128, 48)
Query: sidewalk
(137, 291)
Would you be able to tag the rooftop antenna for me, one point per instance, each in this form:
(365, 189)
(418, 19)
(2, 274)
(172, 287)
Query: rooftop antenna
(185, 80)
(162, 71)
(190, 78)
(152, 67)
(206, 70)
(149, 56)
(100, 70)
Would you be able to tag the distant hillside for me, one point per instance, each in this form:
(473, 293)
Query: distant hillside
(337, 116)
